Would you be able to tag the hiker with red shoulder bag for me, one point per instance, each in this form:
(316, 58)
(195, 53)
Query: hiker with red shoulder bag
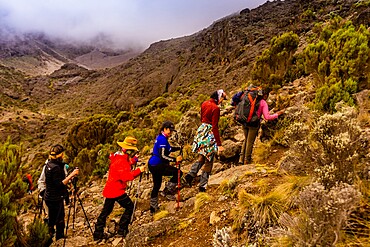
(250, 105)
(28, 179)
(120, 173)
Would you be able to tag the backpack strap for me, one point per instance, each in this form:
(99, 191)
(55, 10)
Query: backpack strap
(253, 104)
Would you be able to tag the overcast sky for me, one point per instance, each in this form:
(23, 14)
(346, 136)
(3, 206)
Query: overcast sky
(126, 22)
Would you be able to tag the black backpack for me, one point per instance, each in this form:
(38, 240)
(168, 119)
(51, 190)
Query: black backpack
(246, 109)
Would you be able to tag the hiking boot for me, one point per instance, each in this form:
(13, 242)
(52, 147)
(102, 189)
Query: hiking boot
(153, 210)
(189, 180)
(49, 242)
(122, 233)
(100, 236)
(154, 207)
(164, 192)
(241, 162)
(169, 196)
(202, 189)
(57, 237)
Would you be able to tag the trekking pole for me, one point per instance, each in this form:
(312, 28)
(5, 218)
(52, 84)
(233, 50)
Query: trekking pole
(38, 205)
(69, 214)
(72, 204)
(137, 197)
(41, 206)
(179, 180)
(128, 190)
(74, 182)
(83, 210)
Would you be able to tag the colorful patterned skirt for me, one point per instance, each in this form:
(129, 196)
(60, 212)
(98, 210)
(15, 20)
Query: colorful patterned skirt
(204, 142)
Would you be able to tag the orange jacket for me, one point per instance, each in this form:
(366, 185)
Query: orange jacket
(119, 174)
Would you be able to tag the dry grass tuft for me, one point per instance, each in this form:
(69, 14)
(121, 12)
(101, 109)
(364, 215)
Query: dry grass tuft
(228, 186)
(160, 215)
(265, 210)
(200, 200)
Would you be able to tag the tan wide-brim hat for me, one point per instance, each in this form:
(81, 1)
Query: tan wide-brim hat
(129, 143)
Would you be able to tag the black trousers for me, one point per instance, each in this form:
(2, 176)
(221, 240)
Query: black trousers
(56, 218)
(125, 202)
(158, 172)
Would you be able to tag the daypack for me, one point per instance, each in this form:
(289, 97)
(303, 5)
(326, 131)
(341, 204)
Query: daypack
(236, 98)
(246, 109)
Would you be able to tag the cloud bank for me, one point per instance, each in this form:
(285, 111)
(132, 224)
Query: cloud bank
(133, 23)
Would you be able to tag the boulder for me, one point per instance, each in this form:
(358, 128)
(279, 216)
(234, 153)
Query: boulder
(232, 149)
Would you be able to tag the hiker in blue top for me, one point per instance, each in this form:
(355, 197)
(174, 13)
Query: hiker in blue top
(159, 166)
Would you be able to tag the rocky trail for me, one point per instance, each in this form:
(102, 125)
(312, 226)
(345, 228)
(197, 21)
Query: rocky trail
(187, 226)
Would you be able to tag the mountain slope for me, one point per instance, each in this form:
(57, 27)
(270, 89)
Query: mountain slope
(38, 54)
(220, 56)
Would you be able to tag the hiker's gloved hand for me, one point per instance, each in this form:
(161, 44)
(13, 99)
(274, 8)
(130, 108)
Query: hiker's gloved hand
(74, 173)
(136, 157)
(42, 193)
(281, 112)
(220, 150)
(142, 168)
(179, 158)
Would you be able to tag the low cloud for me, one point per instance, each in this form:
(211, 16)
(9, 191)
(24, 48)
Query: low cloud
(127, 23)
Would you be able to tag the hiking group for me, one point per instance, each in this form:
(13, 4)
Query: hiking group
(250, 105)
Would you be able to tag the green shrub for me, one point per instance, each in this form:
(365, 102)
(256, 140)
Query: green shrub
(11, 189)
(88, 133)
(308, 15)
(38, 233)
(123, 116)
(339, 61)
(144, 136)
(167, 114)
(362, 3)
(201, 98)
(185, 105)
(272, 66)
(224, 124)
(158, 103)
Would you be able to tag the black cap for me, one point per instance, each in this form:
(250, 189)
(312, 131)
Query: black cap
(56, 149)
(168, 125)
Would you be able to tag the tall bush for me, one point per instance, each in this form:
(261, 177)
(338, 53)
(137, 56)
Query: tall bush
(271, 68)
(339, 60)
(90, 132)
(11, 189)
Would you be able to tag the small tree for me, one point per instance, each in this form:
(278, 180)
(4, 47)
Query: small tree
(11, 189)
(339, 61)
(273, 65)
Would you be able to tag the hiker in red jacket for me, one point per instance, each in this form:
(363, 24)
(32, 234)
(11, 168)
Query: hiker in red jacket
(207, 142)
(114, 191)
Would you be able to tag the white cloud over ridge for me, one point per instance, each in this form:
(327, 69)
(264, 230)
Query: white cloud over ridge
(127, 22)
